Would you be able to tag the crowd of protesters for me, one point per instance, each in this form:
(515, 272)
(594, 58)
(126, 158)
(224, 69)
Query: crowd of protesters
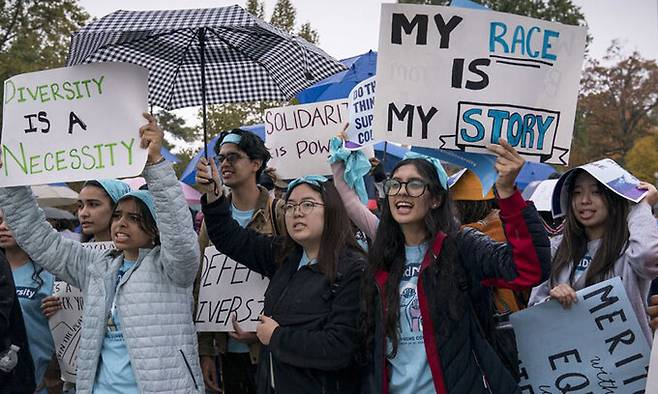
(411, 294)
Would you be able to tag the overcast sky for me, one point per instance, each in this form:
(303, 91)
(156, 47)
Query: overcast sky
(350, 27)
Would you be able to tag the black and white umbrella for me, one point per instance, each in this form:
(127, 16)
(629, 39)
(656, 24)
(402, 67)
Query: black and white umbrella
(205, 56)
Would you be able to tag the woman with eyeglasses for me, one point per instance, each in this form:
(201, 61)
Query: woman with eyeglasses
(419, 327)
(309, 322)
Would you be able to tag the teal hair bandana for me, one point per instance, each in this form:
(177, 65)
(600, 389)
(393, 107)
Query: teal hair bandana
(144, 196)
(440, 172)
(357, 166)
(315, 180)
(231, 138)
(114, 188)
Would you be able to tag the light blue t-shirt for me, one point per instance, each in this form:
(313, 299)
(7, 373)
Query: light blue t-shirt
(243, 218)
(115, 374)
(410, 371)
(305, 261)
(30, 297)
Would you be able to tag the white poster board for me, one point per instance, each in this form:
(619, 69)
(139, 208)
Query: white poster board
(73, 123)
(460, 79)
(228, 288)
(65, 324)
(298, 136)
(361, 109)
(596, 346)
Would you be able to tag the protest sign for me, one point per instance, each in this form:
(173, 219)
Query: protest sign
(73, 123)
(65, 327)
(596, 346)
(361, 106)
(298, 136)
(65, 324)
(227, 288)
(460, 79)
(606, 171)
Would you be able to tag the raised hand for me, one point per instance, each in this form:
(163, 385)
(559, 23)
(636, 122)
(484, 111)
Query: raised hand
(151, 138)
(508, 164)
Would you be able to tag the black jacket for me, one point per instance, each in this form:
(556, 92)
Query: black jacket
(312, 350)
(12, 331)
(468, 363)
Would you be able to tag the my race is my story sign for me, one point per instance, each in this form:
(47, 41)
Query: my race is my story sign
(73, 123)
(460, 79)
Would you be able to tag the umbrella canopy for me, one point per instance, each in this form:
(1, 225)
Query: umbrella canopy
(54, 196)
(190, 171)
(246, 59)
(339, 85)
(540, 193)
(56, 213)
(192, 196)
(533, 172)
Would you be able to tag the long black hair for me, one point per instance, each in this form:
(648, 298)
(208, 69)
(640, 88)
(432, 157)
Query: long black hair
(574, 239)
(337, 235)
(388, 254)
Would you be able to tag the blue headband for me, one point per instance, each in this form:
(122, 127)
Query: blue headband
(114, 188)
(440, 172)
(357, 166)
(231, 138)
(144, 196)
(315, 180)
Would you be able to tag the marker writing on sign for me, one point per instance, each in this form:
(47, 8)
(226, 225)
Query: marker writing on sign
(88, 157)
(63, 91)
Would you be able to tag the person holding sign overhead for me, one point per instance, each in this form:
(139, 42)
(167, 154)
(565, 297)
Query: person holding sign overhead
(419, 325)
(241, 157)
(607, 237)
(311, 306)
(129, 342)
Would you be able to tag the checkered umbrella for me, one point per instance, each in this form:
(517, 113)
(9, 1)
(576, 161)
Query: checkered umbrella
(199, 56)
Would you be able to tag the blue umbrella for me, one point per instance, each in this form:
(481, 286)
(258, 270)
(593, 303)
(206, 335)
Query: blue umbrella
(533, 172)
(339, 85)
(168, 155)
(190, 171)
(394, 153)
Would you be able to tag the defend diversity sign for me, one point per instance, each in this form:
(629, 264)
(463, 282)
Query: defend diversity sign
(228, 288)
(298, 136)
(65, 324)
(596, 346)
(606, 171)
(73, 123)
(460, 79)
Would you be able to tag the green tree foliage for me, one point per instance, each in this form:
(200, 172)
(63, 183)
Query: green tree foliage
(175, 125)
(563, 11)
(309, 34)
(34, 35)
(256, 8)
(284, 16)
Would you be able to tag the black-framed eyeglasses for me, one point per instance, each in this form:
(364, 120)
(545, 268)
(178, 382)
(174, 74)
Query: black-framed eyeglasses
(414, 187)
(231, 157)
(305, 207)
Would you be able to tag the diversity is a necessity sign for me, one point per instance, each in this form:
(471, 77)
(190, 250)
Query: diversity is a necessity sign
(460, 79)
(73, 123)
